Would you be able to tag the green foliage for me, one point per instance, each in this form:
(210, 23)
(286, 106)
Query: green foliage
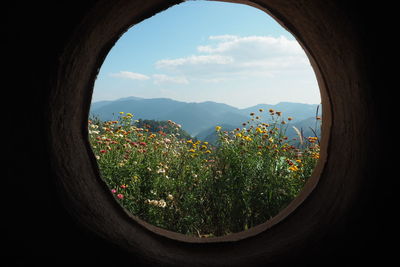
(191, 187)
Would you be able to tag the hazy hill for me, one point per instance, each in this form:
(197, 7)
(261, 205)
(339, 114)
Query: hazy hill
(142, 108)
(298, 111)
(198, 119)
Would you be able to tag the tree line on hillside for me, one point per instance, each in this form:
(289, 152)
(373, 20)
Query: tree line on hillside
(161, 127)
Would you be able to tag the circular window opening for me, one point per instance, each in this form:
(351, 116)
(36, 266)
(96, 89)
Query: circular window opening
(208, 129)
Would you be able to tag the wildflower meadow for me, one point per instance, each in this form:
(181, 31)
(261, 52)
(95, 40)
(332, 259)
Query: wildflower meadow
(195, 188)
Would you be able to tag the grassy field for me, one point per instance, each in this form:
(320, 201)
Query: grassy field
(191, 187)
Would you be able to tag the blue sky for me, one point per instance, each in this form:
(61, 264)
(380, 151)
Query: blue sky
(208, 51)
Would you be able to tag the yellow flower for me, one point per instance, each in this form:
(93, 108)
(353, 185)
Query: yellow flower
(218, 128)
(189, 141)
(261, 110)
(239, 135)
(129, 115)
(259, 130)
(312, 139)
(293, 168)
(315, 155)
(208, 151)
(121, 112)
(191, 150)
(247, 138)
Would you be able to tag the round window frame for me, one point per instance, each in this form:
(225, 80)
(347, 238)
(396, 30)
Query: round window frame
(89, 201)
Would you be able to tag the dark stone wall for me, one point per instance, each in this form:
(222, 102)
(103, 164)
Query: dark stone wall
(38, 228)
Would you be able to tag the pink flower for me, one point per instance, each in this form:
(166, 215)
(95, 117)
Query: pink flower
(120, 196)
(113, 191)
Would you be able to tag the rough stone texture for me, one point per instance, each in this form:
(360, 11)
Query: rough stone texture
(59, 211)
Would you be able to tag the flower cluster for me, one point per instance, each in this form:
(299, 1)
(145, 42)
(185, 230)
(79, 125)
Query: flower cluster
(197, 187)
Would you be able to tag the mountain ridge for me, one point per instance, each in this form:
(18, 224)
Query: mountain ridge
(196, 117)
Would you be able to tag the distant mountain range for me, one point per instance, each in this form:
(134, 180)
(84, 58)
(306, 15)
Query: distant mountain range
(200, 119)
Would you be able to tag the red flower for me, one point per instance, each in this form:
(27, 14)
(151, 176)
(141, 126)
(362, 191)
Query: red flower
(134, 144)
(103, 151)
(120, 196)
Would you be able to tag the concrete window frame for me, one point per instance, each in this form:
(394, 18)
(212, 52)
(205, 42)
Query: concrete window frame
(323, 203)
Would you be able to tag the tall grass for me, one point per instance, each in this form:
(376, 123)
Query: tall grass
(194, 188)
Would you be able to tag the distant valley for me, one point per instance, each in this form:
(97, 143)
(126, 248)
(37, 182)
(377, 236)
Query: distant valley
(200, 119)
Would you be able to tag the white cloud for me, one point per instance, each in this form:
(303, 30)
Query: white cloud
(223, 37)
(194, 60)
(130, 75)
(229, 56)
(254, 46)
(156, 78)
(162, 78)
